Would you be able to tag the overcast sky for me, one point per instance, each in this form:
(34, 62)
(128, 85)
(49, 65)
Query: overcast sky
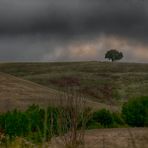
(71, 30)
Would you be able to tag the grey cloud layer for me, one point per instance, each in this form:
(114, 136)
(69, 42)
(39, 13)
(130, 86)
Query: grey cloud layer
(36, 30)
(74, 17)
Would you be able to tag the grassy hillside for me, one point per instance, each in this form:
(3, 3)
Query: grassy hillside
(99, 81)
(19, 93)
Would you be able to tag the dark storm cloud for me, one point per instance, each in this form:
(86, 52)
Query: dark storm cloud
(37, 30)
(74, 17)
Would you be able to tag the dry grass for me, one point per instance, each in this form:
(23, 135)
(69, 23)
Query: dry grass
(114, 138)
(19, 93)
(100, 138)
(122, 80)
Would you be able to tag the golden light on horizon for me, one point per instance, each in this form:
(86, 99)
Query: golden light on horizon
(96, 49)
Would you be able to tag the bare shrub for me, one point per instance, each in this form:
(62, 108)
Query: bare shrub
(73, 116)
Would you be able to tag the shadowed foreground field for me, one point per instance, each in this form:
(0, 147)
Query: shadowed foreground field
(99, 138)
(114, 138)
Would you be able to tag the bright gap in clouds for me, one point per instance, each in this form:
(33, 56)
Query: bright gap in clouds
(38, 48)
(96, 49)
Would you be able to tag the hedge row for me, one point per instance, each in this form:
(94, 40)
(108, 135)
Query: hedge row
(34, 123)
(30, 124)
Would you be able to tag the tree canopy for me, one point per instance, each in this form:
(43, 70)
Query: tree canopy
(113, 55)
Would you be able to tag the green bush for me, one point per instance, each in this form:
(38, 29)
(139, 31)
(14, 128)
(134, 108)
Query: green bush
(94, 125)
(52, 121)
(15, 123)
(34, 123)
(103, 117)
(35, 116)
(117, 118)
(135, 112)
(41, 120)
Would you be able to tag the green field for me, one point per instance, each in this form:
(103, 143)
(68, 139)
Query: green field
(99, 81)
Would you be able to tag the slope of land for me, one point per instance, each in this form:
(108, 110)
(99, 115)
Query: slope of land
(18, 93)
(99, 81)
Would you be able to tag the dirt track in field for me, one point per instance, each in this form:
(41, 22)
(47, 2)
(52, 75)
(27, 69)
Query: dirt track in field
(115, 138)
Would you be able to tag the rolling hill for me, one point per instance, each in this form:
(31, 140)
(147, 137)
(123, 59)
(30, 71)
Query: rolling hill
(103, 85)
(19, 93)
(103, 82)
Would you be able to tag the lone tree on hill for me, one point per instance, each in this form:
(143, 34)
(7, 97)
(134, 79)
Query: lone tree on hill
(113, 55)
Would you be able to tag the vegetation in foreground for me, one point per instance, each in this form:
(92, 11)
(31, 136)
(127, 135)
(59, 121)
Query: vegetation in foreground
(39, 125)
(105, 82)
